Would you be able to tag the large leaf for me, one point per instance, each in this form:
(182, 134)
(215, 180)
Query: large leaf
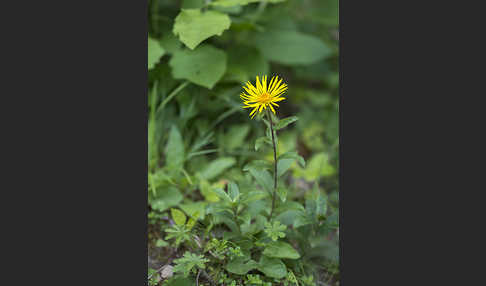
(293, 155)
(272, 267)
(216, 167)
(263, 178)
(245, 63)
(291, 48)
(280, 249)
(318, 166)
(262, 141)
(240, 266)
(166, 197)
(155, 51)
(208, 191)
(195, 209)
(175, 149)
(193, 26)
(235, 137)
(283, 165)
(204, 66)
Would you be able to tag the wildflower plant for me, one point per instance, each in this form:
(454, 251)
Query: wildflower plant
(231, 199)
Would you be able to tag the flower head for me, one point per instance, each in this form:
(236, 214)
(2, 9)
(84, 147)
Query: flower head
(263, 95)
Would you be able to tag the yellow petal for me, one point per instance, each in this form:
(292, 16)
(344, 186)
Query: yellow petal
(275, 86)
(278, 99)
(254, 110)
(271, 107)
(270, 84)
(264, 84)
(279, 91)
(275, 78)
(258, 86)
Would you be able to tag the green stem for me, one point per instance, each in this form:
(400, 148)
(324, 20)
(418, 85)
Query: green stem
(172, 94)
(275, 163)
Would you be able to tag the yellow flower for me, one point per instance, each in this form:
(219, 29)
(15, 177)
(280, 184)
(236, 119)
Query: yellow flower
(263, 96)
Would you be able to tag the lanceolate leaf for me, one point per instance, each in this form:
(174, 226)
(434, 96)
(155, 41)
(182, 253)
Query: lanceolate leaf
(262, 141)
(286, 121)
(217, 167)
(293, 155)
(263, 178)
(175, 149)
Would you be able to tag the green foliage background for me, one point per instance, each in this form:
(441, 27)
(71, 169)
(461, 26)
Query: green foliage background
(199, 55)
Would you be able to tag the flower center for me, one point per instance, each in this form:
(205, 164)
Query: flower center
(265, 97)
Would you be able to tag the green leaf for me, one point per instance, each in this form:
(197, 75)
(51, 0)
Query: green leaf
(170, 43)
(175, 150)
(293, 155)
(291, 48)
(208, 191)
(318, 166)
(283, 165)
(217, 167)
(245, 63)
(272, 267)
(259, 165)
(191, 209)
(178, 216)
(263, 178)
(179, 281)
(275, 230)
(253, 196)
(222, 195)
(233, 191)
(280, 249)
(236, 136)
(204, 66)
(193, 26)
(155, 52)
(190, 223)
(285, 121)
(262, 141)
(282, 193)
(192, 4)
(166, 197)
(321, 205)
(288, 217)
(161, 243)
(240, 266)
(189, 261)
(229, 3)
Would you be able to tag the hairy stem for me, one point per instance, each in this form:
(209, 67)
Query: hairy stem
(275, 164)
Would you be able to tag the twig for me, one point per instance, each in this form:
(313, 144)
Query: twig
(197, 277)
